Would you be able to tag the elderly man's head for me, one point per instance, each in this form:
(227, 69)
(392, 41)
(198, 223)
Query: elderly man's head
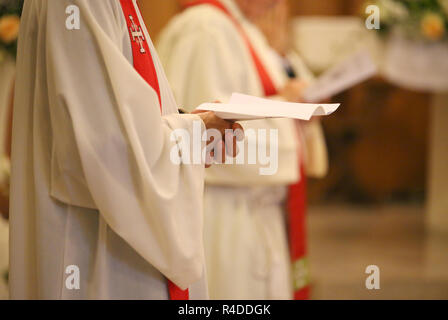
(253, 9)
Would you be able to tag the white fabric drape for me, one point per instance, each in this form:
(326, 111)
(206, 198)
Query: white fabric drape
(92, 181)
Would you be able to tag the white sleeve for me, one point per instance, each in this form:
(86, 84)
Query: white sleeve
(102, 105)
(316, 155)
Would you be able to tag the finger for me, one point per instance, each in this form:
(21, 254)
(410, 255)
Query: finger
(238, 131)
(229, 143)
(234, 147)
(224, 125)
(237, 150)
(210, 140)
(196, 111)
(209, 158)
(220, 153)
(223, 152)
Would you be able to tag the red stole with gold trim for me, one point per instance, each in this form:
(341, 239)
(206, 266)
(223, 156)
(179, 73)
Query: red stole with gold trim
(144, 65)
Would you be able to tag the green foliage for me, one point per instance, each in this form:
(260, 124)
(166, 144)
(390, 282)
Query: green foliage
(411, 18)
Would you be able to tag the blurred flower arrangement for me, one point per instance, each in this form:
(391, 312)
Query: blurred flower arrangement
(10, 11)
(415, 19)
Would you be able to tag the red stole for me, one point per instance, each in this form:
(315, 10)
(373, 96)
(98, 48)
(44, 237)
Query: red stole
(268, 85)
(296, 202)
(144, 65)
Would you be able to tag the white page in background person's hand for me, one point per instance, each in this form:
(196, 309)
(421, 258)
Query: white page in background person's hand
(351, 71)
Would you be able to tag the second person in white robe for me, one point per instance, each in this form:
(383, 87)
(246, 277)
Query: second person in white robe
(245, 234)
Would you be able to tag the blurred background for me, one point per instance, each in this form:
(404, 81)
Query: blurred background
(385, 199)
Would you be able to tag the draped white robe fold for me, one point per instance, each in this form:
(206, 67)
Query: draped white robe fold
(92, 181)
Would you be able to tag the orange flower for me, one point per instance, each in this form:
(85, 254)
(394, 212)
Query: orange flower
(9, 28)
(432, 26)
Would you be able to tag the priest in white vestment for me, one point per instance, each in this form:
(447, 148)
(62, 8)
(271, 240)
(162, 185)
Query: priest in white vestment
(98, 209)
(245, 235)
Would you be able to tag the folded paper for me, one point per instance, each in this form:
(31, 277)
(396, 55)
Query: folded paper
(244, 107)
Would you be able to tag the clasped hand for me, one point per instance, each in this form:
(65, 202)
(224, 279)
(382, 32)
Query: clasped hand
(224, 143)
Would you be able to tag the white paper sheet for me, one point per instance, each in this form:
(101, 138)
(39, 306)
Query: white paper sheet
(244, 107)
(353, 70)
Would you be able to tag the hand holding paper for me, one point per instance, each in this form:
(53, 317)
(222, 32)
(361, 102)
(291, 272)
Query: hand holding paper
(244, 107)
